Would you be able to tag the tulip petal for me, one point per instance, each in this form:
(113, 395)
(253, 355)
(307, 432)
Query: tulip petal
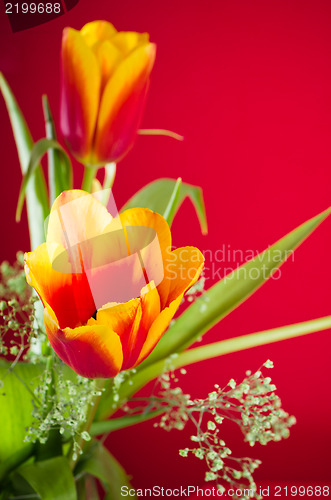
(80, 92)
(127, 41)
(70, 207)
(147, 218)
(66, 293)
(97, 31)
(189, 268)
(109, 56)
(92, 351)
(122, 105)
(158, 328)
(188, 263)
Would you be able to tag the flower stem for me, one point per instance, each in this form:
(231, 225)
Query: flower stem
(73, 456)
(142, 377)
(89, 174)
(110, 174)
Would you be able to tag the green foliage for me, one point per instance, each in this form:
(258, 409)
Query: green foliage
(36, 192)
(101, 464)
(165, 196)
(59, 166)
(18, 384)
(63, 176)
(206, 311)
(230, 292)
(52, 479)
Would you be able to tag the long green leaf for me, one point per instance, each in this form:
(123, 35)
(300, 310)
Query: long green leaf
(98, 428)
(214, 305)
(230, 292)
(210, 351)
(157, 194)
(39, 149)
(59, 166)
(18, 386)
(100, 463)
(37, 199)
(52, 479)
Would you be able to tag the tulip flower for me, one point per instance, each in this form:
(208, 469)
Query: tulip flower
(101, 314)
(105, 78)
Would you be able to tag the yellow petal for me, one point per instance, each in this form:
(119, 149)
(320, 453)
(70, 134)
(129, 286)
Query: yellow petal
(109, 56)
(76, 217)
(80, 96)
(127, 41)
(97, 31)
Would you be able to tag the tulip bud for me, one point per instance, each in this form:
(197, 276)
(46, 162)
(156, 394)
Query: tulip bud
(105, 79)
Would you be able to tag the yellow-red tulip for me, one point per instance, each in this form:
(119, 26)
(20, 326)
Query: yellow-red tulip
(105, 78)
(99, 334)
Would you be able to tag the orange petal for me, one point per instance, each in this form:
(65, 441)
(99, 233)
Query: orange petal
(125, 320)
(183, 270)
(80, 92)
(68, 294)
(122, 105)
(189, 261)
(92, 351)
(158, 328)
(97, 31)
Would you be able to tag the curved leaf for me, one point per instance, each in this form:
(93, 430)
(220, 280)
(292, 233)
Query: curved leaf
(39, 149)
(59, 166)
(101, 464)
(157, 195)
(36, 194)
(98, 428)
(18, 385)
(52, 479)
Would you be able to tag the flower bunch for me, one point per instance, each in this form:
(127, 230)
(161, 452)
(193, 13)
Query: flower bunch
(110, 286)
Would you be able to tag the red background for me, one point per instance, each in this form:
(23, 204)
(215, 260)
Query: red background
(248, 85)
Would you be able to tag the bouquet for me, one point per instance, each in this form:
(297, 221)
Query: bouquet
(104, 302)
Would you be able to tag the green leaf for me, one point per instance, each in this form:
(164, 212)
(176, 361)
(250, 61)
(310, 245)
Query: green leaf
(52, 479)
(98, 428)
(210, 308)
(37, 199)
(230, 292)
(59, 166)
(157, 194)
(16, 404)
(39, 149)
(101, 464)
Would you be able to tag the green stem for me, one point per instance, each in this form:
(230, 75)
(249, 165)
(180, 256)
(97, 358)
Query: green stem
(141, 378)
(110, 174)
(91, 411)
(89, 174)
(114, 424)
